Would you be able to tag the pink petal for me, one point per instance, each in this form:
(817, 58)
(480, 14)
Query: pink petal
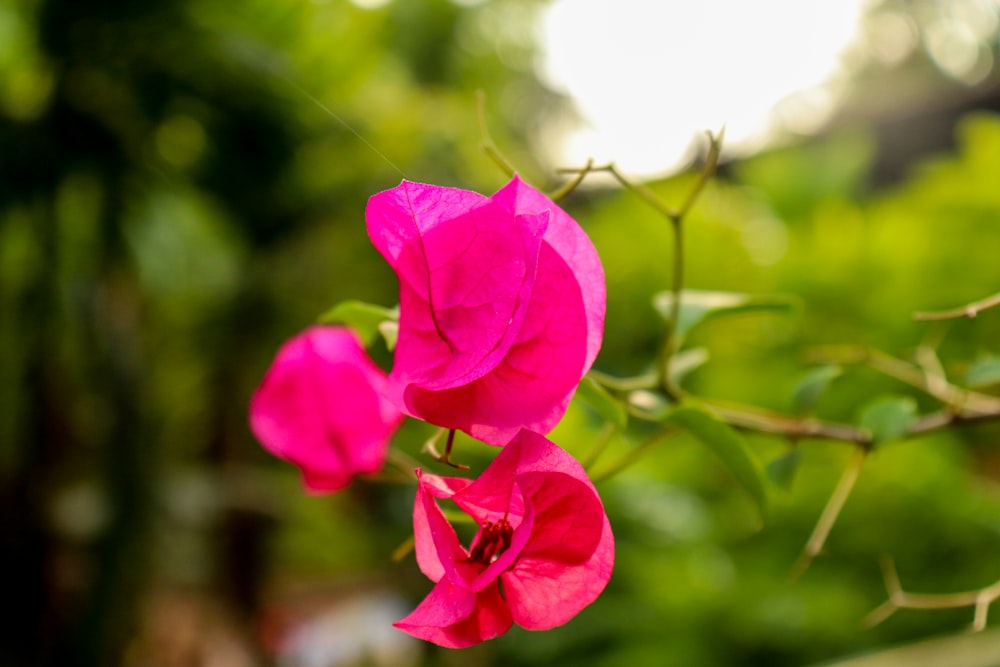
(559, 559)
(489, 366)
(453, 617)
(531, 387)
(443, 487)
(434, 540)
(466, 271)
(569, 240)
(569, 559)
(319, 406)
(492, 496)
(543, 594)
(568, 516)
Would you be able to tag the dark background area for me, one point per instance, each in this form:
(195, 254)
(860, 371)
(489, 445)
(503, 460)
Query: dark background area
(175, 201)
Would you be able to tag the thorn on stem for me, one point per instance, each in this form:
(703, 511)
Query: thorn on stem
(431, 448)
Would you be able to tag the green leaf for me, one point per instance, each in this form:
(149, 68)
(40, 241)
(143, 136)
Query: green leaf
(606, 405)
(365, 318)
(649, 404)
(968, 649)
(390, 333)
(781, 470)
(889, 418)
(686, 361)
(728, 445)
(699, 305)
(984, 372)
(812, 386)
(644, 381)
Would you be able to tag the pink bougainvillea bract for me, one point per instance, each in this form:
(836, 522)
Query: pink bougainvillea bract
(320, 407)
(502, 305)
(543, 551)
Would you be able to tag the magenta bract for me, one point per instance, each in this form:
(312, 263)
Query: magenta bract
(502, 304)
(320, 407)
(544, 548)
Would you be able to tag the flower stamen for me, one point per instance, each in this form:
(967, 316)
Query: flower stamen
(493, 541)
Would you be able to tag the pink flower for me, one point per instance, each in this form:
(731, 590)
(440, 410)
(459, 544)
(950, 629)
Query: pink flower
(501, 306)
(320, 407)
(543, 536)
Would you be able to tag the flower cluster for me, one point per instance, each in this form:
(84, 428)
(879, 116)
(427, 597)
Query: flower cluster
(501, 313)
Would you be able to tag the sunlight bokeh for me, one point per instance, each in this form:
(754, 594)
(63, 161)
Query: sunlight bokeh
(648, 77)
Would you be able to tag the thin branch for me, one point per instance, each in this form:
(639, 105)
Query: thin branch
(431, 448)
(647, 381)
(572, 185)
(489, 146)
(968, 310)
(752, 418)
(642, 191)
(403, 463)
(963, 402)
(707, 172)
(979, 599)
(403, 550)
(631, 456)
(760, 420)
(830, 513)
(603, 440)
(670, 343)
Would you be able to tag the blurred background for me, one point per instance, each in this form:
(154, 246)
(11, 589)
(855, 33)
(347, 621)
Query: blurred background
(182, 188)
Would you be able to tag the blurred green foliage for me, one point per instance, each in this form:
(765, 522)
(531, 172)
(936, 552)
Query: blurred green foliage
(182, 187)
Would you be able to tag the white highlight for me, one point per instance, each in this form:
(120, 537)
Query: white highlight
(650, 76)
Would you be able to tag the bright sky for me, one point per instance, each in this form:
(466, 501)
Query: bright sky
(650, 75)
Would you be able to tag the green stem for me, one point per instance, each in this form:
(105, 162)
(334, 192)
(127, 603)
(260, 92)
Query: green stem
(558, 194)
(489, 146)
(669, 345)
(830, 513)
(446, 459)
(607, 434)
(632, 456)
(403, 462)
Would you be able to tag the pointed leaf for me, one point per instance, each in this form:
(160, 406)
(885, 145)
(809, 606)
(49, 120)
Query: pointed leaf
(984, 372)
(686, 361)
(889, 418)
(365, 318)
(812, 386)
(606, 405)
(699, 305)
(728, 445)
(781, 470)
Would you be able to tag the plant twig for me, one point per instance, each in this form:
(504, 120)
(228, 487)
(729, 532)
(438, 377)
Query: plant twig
(642, 191)
(603, 440)
(403, 550)
(668, 346)
(760, 420)
(979, 599)
(431, 448)
(752, 418)
(830, 513)
(707, 172)
(632, 455)
(403, 463)
(559, 193)
(963, 402)
(489, 146)
(969, 310)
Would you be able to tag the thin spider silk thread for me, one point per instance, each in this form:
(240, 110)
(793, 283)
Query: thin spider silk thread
(347, 126)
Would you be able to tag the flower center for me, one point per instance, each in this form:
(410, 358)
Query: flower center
(493, 541)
